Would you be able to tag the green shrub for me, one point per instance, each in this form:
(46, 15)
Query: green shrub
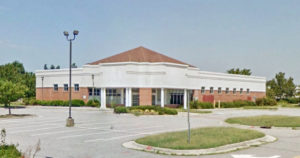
(194, 104)
(56, 103)
(242, 103)
(200, 105)
(145, 109)
(227, 104)
(170, 111)
(120, 109)
(93, 103)
(270, 101)
(9, 151)
(237, 104)
(266, 102)
(259, 101)
(205, 105)
(77, 102)
(293, 100)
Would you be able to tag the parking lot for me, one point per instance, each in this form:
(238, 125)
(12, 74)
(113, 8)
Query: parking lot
(101, 133)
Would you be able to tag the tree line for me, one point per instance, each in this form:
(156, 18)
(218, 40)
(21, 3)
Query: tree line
(52, 67)
(280, 87)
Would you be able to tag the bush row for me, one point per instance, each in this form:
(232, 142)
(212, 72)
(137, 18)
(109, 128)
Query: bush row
(234, 104)
(158, 109)
(75, 102)
(292, 100)
(266, 102)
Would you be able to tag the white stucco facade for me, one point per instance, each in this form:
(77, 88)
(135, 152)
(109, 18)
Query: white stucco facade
(148, 75)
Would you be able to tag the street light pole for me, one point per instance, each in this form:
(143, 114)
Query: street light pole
(70, 120)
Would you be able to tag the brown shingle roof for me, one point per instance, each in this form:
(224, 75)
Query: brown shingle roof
(139, 54)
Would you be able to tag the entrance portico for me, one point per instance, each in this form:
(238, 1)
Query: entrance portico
(144, 96)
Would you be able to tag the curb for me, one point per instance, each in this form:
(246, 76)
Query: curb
(259, 127)
(197, 152)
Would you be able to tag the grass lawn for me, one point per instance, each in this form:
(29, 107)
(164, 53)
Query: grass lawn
(195, 111)
(267, 120)
(201, 138)
(286, 105)
(9, 151)
(261, 107)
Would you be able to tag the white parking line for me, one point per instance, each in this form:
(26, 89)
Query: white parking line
(33, 130)
(76, 129)
(131, 135)
(94, 133)
(88, 134)
(67, 131)
(84, 123)
(34, 126)
(21, 121)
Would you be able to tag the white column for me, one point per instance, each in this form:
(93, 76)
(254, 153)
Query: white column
(103, 98)
(162, 97)
(130, 97)
(185, 99)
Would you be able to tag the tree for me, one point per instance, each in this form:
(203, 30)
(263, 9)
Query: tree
(29, 82)
(10, 92)
(10, 73)
(45, 67)
(280, 87)
(57, 67)
(19, 67)
(52, 67)
(14, 72)
(74, 65)
(240, 72)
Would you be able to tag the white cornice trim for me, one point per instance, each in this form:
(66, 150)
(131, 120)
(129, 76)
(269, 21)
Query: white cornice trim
(230, 75)
(67, 74)
(58, 70)
(224, 79)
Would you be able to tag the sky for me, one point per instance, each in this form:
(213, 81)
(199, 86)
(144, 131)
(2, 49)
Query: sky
(214, 35)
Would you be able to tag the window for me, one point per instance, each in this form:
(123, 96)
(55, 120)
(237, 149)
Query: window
(219, 90)
(112, 92)
(211, 90)
(248, 91)
(241, 91)
(202, 90)
(66, 88)
(55, 87)
(175, 96)
(227, 91)
(76, 87)
(96, 91)
(234, 90)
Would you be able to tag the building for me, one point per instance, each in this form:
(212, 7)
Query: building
(144, 77)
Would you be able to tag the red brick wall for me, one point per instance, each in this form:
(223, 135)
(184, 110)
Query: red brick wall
(50, 94)
(145, 96)
(223, 97)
